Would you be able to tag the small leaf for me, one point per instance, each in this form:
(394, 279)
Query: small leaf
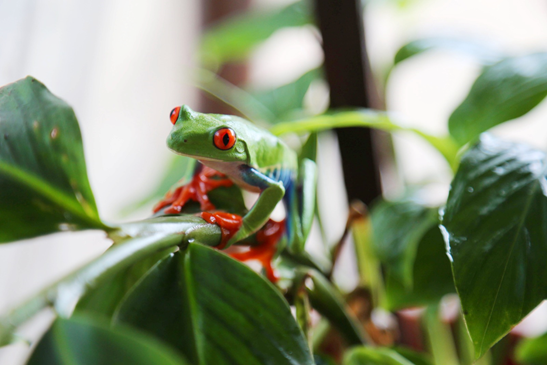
(507, 90)
(398, 227)
(431, 276)
(43, 179)
(86, 341)
(289, 98)
(215, 310)
(495, 224)
(234, 38)
(374, 356)
(532, 351)
(329, 303)
(483, 52)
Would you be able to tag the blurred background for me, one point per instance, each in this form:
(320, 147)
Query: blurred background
(124, 65)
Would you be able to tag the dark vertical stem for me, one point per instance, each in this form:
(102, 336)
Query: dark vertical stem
(351, 85)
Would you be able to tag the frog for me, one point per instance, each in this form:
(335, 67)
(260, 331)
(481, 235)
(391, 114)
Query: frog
(232, 150)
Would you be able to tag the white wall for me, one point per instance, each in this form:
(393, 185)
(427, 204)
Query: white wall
(122, 66)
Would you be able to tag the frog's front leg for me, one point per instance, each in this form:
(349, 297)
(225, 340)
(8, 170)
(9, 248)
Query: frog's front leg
(271, 194)
(196, 189)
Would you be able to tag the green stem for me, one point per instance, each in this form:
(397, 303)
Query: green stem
(370, 272)
(64, 294)
(371, 119)
(235, 97)
(441, 341)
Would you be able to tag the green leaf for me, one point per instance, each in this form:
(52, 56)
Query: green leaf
(431, 276)
(329, 303)
(104, 299)
(507, 90)
(483, 52)
(84, 340)
(215, 310)
(234, 38)
(398, 227)
(496, 228)
(43, 179)
(139, 240)
(289, 98)
(374, 356)
(532, 351)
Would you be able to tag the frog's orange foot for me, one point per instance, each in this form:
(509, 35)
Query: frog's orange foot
(196, 190)
(229, 224)
(264, 252)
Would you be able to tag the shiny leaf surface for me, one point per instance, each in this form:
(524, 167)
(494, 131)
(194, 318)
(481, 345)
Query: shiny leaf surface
(86, 341)
(504, 91)
(398, 227)
(105, 298)
(215, 310)
(140, 240)
(431, 276)
(496, 232)
(43, 176)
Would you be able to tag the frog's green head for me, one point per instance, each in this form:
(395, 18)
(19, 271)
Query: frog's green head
(207, 136)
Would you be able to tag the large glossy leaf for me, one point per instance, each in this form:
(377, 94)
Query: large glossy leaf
(496, 233)
(485, 53)
(43, 178)
(86, 341)
(137, 241)
(234, 38)
(398, 227)
(532, 351)
(105, 298)
(374, 356)
(504, 91)
(215, 310)
(431, 276)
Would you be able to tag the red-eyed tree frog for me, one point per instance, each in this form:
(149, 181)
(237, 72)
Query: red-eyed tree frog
(250, 157)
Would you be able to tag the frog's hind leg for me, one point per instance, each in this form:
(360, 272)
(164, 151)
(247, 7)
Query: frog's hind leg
(267, 238)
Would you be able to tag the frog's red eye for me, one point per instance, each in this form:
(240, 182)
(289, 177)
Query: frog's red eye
(224, 139)
(174, 114)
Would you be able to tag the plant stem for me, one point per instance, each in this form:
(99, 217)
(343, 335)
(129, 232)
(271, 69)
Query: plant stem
(367, 118)
(441, 341)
